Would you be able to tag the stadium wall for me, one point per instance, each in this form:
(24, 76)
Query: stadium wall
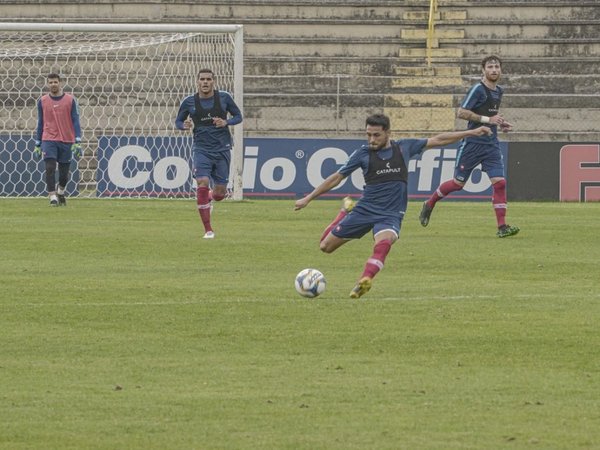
(318, 67)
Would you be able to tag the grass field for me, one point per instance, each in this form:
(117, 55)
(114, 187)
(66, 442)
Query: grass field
(122, 329)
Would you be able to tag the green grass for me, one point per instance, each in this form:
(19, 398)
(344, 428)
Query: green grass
(121, 328)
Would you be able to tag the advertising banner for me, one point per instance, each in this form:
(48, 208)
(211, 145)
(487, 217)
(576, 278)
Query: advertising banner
(564, 171)
(293, 167)
(160, 166)
(144, 166)
(580, 172)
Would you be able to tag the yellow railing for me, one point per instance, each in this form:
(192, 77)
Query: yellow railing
(430, 29)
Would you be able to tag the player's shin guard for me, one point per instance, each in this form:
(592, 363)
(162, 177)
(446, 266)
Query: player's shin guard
(375, 262)
(63, 175)
(203, 206)
(442, 191)
(50, 175)
(333, 224)
(499, 201)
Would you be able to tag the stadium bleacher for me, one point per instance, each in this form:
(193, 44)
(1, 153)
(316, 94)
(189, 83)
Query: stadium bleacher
(317, 67)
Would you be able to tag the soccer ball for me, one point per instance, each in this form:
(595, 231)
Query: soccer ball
(310, 283)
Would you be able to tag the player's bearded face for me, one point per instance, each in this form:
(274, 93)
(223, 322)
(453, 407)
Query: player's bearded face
(377, 137)
(492, 71)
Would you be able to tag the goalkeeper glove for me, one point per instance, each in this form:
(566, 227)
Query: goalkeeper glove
(37, 150)
(76, 149)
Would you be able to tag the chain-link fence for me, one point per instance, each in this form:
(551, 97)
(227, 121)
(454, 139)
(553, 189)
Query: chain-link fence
(337, 105)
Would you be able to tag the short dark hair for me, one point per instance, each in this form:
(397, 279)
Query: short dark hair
(206, 71)
(487, 59)
(53, 76)
(379, 120)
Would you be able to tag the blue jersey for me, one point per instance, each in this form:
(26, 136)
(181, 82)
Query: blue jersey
(210, 139)
(477, 98)
(388, 198)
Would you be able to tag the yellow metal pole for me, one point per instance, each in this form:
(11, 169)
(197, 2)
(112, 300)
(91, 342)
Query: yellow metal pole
(430, 29)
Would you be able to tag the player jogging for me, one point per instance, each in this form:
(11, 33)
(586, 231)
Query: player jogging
(206, 113)
(480, 106)
(58, 137)
(384, 200)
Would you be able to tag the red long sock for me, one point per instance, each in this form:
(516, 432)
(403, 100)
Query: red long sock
(443, 190)
(343, 213)
(499, 201)
(375, 262)
(203, 206)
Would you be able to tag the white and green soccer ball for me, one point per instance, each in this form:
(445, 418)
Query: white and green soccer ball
(310, 283)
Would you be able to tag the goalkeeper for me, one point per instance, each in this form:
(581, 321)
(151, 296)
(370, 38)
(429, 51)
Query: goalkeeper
(58, 137)
(206, 114)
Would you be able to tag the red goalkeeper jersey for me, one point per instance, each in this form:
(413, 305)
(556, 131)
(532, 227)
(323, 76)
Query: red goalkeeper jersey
(58, 119)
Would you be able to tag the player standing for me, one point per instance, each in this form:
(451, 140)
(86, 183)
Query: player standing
(58, 137)
(384, 200)
(480, 106)
(206, 113)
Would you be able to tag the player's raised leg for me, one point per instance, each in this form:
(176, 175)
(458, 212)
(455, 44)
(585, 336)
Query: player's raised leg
(347, 206)
(442, 191)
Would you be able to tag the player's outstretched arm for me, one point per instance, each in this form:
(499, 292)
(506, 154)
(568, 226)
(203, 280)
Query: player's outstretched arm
(329, 183)
(449, 138)
(470, 116)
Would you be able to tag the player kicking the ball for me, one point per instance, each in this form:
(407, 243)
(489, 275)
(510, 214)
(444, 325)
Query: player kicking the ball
(384, 200)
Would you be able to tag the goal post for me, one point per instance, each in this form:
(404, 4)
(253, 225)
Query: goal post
(129, 80)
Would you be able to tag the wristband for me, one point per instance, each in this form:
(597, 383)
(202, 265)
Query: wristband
(484, 119)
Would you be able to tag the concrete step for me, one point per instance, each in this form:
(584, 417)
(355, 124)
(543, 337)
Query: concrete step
(532, 11)
(420, 71)
(294, 65)
(573, 64)
(524, 31)
(327, 31)
(386, 65)
(549, 101)
(421, 85)
(189, 11)
(427, 83)
(421, 118)
(303, 84)
(545, 49)
(442, 15)
(438, 53)
(409, 100)
(350, 47)
(422, 33)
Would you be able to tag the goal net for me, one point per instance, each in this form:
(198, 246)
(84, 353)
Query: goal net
(129, 81)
